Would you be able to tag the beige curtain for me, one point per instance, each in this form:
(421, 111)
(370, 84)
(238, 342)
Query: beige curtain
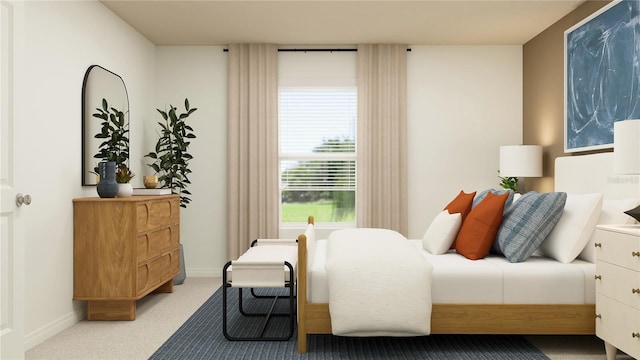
(252, 137)
(382, 145)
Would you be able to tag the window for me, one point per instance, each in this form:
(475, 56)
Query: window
(317, 136)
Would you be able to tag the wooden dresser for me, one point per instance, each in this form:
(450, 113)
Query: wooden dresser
(123, 249)
(618, 288)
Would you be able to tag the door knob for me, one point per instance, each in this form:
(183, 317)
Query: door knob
(23, 199)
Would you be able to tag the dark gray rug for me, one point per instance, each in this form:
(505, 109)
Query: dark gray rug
(200, 337)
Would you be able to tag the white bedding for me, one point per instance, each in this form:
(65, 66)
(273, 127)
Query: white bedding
(366, 300)
(493, 280)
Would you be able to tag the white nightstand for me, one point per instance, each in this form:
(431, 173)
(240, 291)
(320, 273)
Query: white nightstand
(618, 288)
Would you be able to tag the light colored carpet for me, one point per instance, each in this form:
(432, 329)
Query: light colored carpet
(160, 315)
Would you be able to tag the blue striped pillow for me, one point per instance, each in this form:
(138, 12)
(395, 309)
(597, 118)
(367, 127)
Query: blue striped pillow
(528, 222)
(480, 196)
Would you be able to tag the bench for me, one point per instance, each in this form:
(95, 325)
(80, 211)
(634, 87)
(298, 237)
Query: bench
(269, 263)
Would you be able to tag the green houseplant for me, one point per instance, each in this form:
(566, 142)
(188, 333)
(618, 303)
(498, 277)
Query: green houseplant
(508, 182)
(114, 132)
(171, 155)
(124, 175)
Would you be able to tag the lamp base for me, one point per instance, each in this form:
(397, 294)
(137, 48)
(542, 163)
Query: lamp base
(634, 213)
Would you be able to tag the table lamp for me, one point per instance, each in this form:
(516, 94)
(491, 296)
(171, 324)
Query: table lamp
(520, 161)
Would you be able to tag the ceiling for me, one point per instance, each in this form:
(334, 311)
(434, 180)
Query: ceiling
(332, 22)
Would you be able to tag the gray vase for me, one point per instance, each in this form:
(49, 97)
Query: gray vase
(107, 187)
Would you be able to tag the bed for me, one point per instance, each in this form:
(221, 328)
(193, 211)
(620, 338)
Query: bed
(494, 296)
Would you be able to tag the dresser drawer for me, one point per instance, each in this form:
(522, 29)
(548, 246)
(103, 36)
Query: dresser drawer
(158, 271)
(617, 323)
(618, 283)
(157, 242)
(154, 213)
(618, 248)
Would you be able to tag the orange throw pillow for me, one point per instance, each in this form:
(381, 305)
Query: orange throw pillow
(478, 231)
(461, 204)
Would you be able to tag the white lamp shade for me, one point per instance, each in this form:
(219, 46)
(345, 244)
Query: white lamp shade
(626, 147)
(521, 161)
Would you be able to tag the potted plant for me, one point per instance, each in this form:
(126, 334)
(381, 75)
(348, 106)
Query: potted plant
(171, 160)
(171, 153)
(123, 178)
(508, 182)
(114, 131)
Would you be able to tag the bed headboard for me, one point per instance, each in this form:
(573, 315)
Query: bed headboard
(594, 174)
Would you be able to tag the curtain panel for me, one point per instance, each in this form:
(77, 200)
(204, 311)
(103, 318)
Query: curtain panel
(382, 139)
(252, 137)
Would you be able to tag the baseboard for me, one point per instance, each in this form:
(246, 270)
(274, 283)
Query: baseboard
(54, 327)
(204, 272)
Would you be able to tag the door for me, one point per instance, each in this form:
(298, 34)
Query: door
(11, 231)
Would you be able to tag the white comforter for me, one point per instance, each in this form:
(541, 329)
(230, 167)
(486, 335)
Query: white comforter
(379, 285)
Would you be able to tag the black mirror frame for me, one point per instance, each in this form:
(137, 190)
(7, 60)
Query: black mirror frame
(87, 117)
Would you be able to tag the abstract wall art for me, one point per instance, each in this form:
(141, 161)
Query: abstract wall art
(602, 75)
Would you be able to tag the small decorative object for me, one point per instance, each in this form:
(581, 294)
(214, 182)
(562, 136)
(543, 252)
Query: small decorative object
(123, 177)
(107, 186)
(634, 213)
(171, 158)
(150, 181)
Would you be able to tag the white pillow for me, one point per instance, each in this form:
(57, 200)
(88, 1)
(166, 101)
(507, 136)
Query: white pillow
(442, 232)
(612, 213)
(574, 229)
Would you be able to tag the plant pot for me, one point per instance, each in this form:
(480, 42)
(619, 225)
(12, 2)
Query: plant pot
(125, 190)
(179, 279)
(150, 182)
(107, 186)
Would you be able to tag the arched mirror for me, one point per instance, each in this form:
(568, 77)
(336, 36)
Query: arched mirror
(99, 83)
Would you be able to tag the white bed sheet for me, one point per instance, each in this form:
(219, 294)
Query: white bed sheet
(493, 280)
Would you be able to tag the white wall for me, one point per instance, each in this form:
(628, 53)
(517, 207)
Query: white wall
(463, 103)
(61, 40)
(199, 74)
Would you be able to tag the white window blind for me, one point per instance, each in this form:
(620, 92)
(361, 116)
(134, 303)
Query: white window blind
(317, 136)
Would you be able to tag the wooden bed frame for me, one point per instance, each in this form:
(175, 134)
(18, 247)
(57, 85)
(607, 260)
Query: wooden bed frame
(574, 174)
(548, 319)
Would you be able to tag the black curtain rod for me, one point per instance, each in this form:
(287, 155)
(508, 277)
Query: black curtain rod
(315, 50)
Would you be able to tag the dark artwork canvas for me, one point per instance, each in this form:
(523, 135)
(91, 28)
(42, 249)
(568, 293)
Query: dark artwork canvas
(602, 75)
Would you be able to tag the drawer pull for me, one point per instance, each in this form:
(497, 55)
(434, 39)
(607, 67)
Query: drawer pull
(598, 277)
(635, 291)
(598, 245)
(635, 335)
(598, 316)
(635, 253)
